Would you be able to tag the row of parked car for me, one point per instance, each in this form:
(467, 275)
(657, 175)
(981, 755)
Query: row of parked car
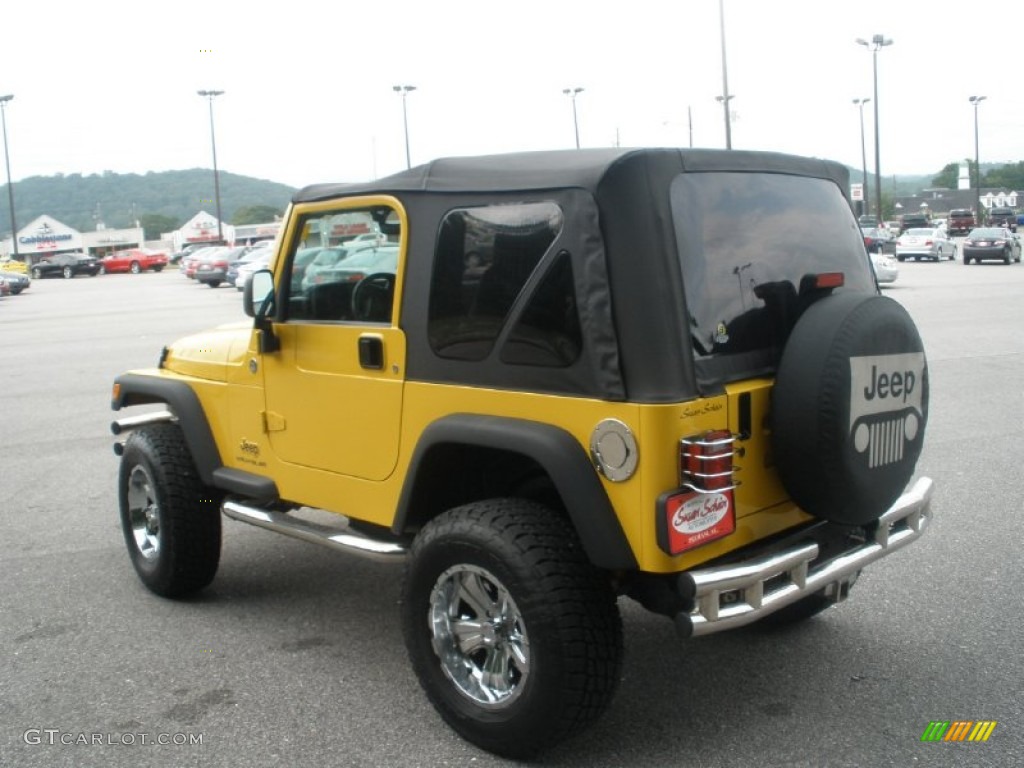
(13, 278)
(934, 243)
(220, 264)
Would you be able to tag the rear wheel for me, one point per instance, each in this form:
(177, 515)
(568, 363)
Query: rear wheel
(37, 274)
(68, 273)
(170, 520)
(135, 268)
(515, 638)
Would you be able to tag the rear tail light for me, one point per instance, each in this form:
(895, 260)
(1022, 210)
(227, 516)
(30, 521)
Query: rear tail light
(703, 509)
(706, 462)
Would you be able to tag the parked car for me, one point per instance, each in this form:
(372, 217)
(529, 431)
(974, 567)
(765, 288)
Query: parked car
(213, 265)
(17, 281)
(66, 265)
(876, 238)
(246, 269)
(885, 268)
(253, 254)
(991, 243)
(191, 261)
(961, 221)
(13, 265)
(325, 259)
(913, 221)
(1003, 217)
(134, 260)
(867, 220)
(927, 243)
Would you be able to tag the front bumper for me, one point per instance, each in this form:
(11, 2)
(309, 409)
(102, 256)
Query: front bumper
(730, 596)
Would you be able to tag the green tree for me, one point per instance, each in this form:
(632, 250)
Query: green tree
(256, 214)
(1006, 176)
(155, 224)
(947, 177)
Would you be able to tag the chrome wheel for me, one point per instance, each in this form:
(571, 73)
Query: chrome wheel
(479, 636)
(143, 512)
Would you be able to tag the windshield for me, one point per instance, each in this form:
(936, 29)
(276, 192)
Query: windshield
(749, 246)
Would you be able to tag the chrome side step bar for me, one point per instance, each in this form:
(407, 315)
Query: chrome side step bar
(335, 538)
(734, 595)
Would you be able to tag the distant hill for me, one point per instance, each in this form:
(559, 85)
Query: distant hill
(119, 199)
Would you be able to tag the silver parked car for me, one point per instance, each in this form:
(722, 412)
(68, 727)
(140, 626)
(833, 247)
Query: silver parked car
(925, 243)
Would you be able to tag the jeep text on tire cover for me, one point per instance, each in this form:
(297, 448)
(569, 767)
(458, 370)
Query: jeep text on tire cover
(545, 381)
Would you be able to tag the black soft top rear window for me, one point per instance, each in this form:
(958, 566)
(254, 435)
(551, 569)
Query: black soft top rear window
(748, 244)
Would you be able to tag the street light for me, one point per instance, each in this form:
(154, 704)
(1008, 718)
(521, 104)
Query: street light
(7, 161)
(211, 95)
(976, 100)
(404, 91)
(874, 45)
(864, 160)
(572, 93)
(726, 96)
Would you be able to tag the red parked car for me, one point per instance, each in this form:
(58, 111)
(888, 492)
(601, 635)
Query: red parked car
(133, 260)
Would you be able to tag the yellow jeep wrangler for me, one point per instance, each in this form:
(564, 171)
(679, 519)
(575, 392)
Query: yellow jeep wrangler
(547, 381)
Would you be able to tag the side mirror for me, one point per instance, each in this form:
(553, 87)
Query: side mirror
(258, 302)
(258, 294)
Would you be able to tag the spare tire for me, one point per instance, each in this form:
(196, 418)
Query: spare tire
(849, 407)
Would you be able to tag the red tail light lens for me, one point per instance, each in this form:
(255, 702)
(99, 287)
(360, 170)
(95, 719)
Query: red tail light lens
(705, 461)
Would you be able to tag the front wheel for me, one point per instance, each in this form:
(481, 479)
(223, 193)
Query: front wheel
(135, 267)
(170, 520)
(515, 637)
(68, 273)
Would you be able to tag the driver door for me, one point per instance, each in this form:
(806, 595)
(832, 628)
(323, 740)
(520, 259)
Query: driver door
(334, 387)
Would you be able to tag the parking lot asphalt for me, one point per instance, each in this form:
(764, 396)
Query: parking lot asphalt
(294, 656)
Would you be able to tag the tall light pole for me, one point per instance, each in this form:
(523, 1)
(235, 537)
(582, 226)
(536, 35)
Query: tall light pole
(976, 100)
(404, 91)
(7, 162)
(572, 93)
(864, 160)
(876, 43)
(726, 96)
(211, 95)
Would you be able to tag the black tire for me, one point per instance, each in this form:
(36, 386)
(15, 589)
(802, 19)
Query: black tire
(159, 268)
(171, 521)
(102, 270)
(213, 283)
(558, 637)
(850, 405)
(68, 273)
(135, 267)
(37, 274)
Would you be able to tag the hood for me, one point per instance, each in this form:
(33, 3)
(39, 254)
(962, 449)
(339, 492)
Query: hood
(210, 354)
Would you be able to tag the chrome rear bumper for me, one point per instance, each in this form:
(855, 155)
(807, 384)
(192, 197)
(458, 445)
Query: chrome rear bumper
(734, 595)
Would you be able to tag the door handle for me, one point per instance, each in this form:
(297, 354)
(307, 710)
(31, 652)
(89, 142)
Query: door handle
(371, 352)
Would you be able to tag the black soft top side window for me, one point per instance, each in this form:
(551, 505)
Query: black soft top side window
(484, 258)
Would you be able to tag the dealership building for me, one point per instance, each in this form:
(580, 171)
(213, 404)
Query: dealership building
(46, 236)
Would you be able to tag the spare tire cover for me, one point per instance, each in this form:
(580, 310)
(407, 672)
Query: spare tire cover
(849, 407)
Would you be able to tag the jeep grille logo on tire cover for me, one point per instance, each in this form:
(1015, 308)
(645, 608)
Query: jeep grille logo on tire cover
(885, 404)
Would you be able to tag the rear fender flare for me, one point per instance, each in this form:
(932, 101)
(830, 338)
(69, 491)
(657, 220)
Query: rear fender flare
(550, 447)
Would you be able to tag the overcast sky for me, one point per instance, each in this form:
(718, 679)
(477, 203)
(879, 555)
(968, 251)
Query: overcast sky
(111, 85)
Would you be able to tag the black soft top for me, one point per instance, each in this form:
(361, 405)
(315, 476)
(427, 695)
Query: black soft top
(619, 229)
(562, 169)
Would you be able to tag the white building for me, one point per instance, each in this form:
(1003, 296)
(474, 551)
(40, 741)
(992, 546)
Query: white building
(46, 235)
